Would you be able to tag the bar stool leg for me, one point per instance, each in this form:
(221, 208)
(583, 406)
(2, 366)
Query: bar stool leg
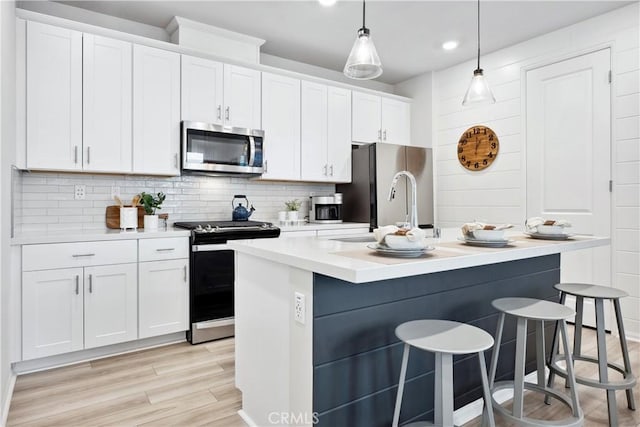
(487, 418)
(602, 362)
(540, 352)
(577, 332)
(554, 351)
(631, 404)
(443, 390)
(518, 380)
(496, 350)
(570, 374)
(403, 374)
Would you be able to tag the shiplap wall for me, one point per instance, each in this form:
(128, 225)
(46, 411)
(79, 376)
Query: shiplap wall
(497, 194)
(45, 201)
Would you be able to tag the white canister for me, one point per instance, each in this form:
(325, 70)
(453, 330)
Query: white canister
(292, 215)
(151, 223)
(128, 218)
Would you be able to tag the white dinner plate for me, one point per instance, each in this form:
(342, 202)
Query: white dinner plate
(541, 236)
(486, 243)
(402, 253)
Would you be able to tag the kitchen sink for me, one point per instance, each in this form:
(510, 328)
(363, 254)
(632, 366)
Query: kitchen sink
(356, 239)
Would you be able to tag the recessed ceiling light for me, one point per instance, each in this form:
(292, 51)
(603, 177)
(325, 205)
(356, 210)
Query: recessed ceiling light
(327, 3)
(450, 45)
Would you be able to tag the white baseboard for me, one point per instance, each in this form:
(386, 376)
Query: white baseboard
(246, 418)
(474, 409)
(7, 400)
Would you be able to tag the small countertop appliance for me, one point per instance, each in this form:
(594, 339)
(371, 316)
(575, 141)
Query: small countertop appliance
(326, 209)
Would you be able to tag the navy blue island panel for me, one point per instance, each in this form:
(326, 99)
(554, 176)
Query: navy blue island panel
(356, 355)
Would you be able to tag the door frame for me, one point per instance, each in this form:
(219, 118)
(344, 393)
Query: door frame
(523, 145)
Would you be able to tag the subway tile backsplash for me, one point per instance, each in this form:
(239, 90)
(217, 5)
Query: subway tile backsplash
(45, 201)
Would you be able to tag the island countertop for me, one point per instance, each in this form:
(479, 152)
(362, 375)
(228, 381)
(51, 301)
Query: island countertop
(354, 262)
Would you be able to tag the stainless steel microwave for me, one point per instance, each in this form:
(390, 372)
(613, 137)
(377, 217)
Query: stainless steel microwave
(216, 149)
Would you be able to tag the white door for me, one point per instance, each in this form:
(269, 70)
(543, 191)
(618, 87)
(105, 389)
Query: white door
(106, 105)
(110, 304)
(339, 134)
(54, 97)
(395, 121)
(202, 90)
(313, 141)
(156, 111)
(164, 297)
(568, 157)
(241, 97)
(366, 118)
(51, 312)
(281, 124)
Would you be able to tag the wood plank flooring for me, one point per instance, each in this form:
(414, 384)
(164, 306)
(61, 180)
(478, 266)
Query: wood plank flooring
(186, 385)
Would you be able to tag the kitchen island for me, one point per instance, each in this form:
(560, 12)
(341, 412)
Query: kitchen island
(315, 321)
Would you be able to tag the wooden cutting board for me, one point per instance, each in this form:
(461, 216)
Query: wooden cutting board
(113, 216)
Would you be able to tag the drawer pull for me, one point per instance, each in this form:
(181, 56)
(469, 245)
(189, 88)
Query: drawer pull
(91, 283)
(77, 285)
(165, 249)
(82, 255)
(185, 274)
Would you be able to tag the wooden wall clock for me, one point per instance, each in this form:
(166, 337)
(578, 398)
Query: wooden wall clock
(477, 148)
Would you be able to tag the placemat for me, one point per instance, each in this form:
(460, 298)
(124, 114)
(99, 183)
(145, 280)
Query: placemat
(372, 256)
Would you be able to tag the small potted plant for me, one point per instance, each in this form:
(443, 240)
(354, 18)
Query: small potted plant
(292, 209)
(150, 203)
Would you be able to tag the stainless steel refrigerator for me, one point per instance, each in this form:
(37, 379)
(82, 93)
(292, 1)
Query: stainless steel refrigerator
(373, 168)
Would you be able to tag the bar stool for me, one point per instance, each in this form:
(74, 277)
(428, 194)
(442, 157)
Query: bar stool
(599, 294)
(444, 338)
(525, 309)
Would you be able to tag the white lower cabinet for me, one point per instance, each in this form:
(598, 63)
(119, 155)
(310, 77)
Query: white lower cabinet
(164, 297)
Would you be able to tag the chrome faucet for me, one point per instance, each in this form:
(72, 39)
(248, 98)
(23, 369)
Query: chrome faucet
(413, 221)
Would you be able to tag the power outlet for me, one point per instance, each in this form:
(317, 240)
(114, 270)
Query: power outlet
(299, 310)
(80, 192)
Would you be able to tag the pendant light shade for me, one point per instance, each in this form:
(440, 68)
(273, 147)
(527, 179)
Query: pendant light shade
(363, 62)
(478, 92)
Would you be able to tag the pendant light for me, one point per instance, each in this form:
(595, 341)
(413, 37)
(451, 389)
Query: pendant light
(478, 91)
(363, 62)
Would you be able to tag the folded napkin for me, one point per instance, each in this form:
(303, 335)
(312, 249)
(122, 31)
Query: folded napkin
(533, 222)
(413, 235)
(469, 227)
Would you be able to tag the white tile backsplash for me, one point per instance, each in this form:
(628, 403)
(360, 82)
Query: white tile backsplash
(44, 200)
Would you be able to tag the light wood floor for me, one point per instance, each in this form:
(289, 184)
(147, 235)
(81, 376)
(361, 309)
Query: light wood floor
(185, 385)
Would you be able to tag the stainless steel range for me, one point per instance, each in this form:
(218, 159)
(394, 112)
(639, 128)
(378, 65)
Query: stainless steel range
(212, 274)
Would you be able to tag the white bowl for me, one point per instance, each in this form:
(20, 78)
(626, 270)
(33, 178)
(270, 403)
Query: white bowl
(488, 234)
(403, 243)
(550, 229)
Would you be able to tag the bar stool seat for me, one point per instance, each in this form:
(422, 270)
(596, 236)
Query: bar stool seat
(525, 309)
(444, 338)
(599, 294)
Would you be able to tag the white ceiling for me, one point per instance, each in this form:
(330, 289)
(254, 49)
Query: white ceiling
(407, 34)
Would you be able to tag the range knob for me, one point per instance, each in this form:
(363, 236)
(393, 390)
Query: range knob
(208, 228)
(198, 227)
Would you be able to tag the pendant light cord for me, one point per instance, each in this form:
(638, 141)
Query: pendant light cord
(478, 34)
(363, 14)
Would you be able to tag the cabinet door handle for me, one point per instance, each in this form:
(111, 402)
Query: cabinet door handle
(265, 167)
(227, 114)
(165, 249)
(77, 284)
(324, 170)
(219, 112)
(88, 155)
(91, 283)
(82, 255)
(331, 170)
(379, 134)
(175, 160)
(185, 274)
(384, 135)
(75, 154)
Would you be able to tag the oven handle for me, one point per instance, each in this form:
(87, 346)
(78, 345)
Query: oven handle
(215, 323)
(209, 248)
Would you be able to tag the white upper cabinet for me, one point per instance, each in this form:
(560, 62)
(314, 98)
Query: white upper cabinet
(223, 94)
(202, 99)
(241, 97)
(54, 98)
(281, 124)
(106, 105)
(326, 133)
(156, 111)
(380, 119)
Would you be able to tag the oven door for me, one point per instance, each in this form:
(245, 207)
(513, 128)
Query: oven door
(218, 149)
(211, 297)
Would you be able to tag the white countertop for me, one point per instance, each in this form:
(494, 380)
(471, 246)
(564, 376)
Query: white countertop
(41, 237)
(354, 262)
(311, 226)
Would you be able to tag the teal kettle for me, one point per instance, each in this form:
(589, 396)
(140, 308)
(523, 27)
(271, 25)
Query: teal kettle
(241, 213)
